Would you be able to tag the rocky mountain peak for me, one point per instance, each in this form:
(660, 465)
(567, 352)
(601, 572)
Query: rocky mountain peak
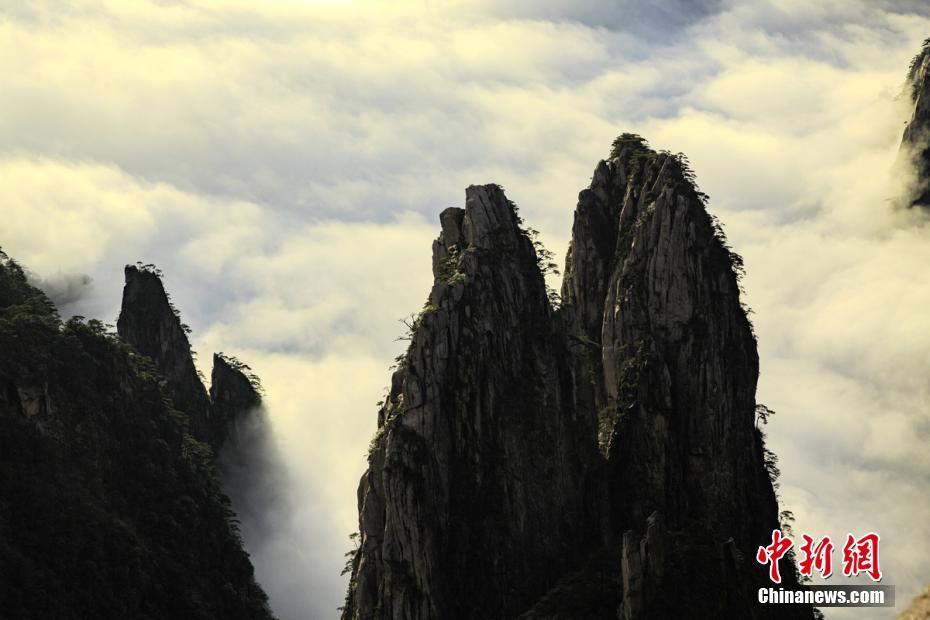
(543, 464)
(110, 509)
(476, 463)
(234, 391)
(916, 140)
(668, 359)
(490, 220)
(150, 323)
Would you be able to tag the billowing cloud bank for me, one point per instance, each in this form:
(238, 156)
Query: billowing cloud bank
(284, 164)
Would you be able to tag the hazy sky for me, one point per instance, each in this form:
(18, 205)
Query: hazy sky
(284, 163)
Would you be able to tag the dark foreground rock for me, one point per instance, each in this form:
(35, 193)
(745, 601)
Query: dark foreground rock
(109, 507)
(475, 500)
(150, 323)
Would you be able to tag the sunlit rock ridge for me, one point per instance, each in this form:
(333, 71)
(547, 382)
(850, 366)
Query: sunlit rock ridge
(594, 459)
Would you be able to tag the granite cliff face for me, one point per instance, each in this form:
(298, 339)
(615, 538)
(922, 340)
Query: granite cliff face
(666, 353)
(109, 507)
(596, 461)
(475, 499)
(916, 140)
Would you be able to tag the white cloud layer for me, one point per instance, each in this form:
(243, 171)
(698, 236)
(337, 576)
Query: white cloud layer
(284, 163)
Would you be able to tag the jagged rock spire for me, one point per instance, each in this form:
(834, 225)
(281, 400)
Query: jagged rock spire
(595, 461)
(474, 499)
(234, 394)
(109, 509)
(665, 353)
(149, 323)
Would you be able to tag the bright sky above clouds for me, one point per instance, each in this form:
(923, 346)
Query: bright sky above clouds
(284, 163)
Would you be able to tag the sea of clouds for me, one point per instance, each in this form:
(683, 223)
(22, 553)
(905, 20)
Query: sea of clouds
(285, 162)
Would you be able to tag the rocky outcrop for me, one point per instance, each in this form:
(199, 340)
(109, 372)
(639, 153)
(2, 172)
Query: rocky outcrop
(915, 143)
(597, 461)
(475, 499)
(108, 507)
(149, 322)
(664, 345)
(234, 392)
